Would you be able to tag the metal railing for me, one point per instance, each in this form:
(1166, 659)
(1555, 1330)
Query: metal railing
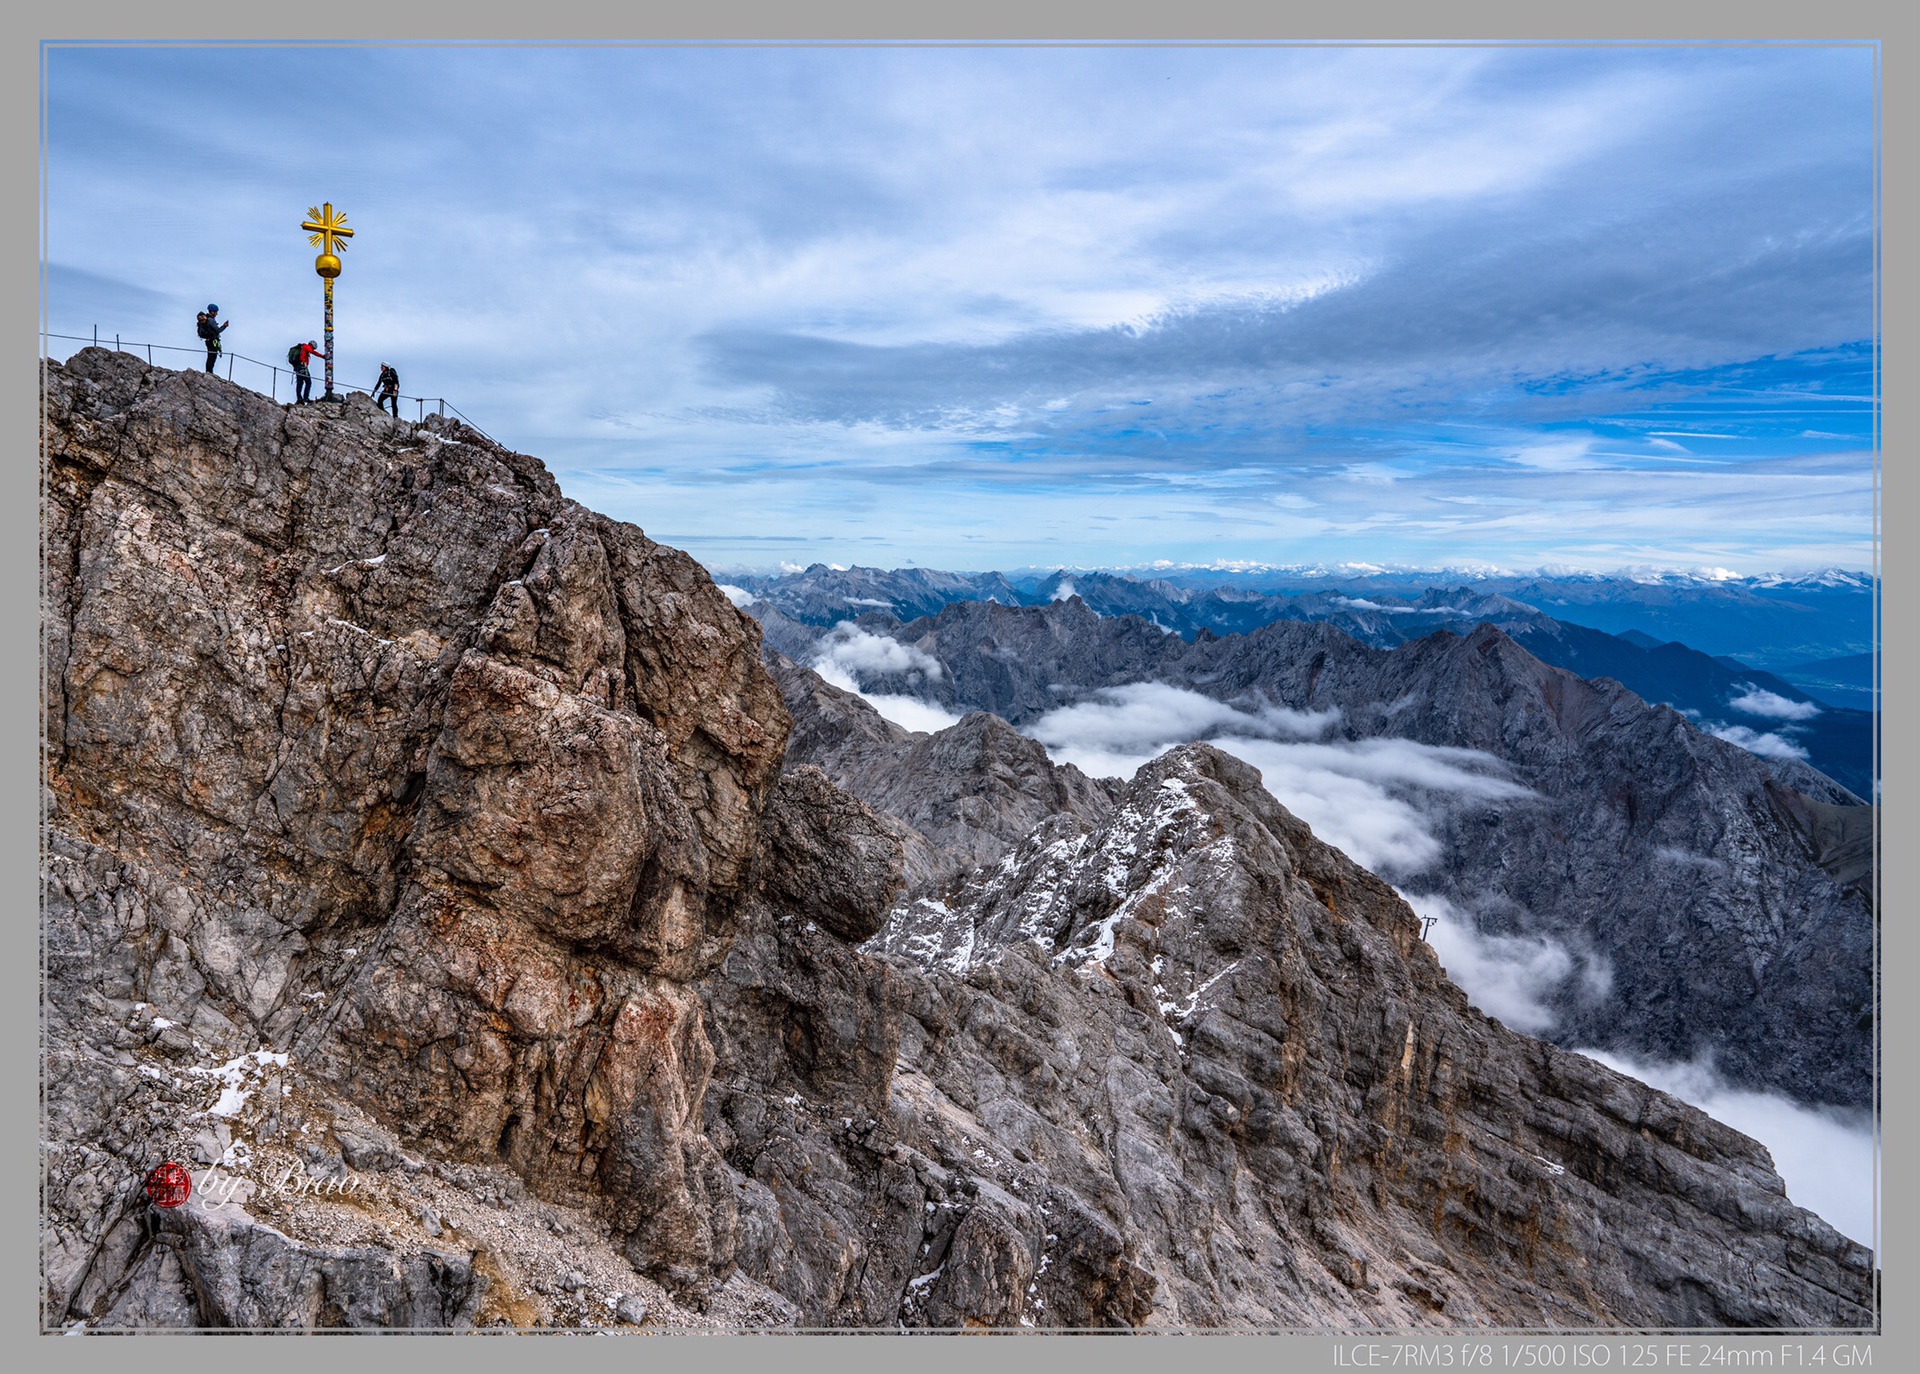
(442, 406)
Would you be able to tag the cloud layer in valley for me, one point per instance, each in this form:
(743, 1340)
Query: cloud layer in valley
(847, 655)
(1510, 977)
(1757, 701)
(1375, 799)
(1766, 744)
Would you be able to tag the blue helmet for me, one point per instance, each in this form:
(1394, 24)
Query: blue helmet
(213, 310)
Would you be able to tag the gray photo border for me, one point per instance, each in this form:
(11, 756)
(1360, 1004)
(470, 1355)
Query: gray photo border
(1211, 21)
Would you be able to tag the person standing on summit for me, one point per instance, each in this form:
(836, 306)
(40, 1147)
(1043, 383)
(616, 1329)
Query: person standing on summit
(299, 356)
(387, 389)
(210, 329)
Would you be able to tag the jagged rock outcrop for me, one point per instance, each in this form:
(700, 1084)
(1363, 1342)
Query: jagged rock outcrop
(967, 793)
(420, 869)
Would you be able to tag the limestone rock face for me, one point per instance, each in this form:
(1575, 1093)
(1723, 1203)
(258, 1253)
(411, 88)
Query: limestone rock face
(1192, 1067)
(367, 745)
(829, 857)
(421, 871)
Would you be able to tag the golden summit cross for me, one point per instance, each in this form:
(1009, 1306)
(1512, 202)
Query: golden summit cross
(328, 232)
(326, 226)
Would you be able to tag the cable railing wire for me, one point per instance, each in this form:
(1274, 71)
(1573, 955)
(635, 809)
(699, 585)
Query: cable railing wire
(442, 405)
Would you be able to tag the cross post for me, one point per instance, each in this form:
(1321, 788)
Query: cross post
(327, 231)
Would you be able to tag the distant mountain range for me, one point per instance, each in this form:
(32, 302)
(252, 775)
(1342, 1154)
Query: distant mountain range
(1772, 621)
(1777, 715)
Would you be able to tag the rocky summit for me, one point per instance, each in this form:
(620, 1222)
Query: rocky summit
(427, 870)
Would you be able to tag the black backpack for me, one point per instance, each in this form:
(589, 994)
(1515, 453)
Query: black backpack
(293, 355)
(204, 326)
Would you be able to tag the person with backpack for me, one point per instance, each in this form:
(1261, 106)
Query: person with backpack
(210, 329)
(298, 357)
(386, 391)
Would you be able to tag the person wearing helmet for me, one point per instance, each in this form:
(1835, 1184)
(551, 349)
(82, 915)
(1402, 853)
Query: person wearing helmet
(386, 391)
(210, 329)
(298, 357)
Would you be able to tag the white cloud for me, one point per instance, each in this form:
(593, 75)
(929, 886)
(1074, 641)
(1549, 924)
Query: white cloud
(1767, 746)
(910, 712)
(1824, 1154)
(739, 596)
(1355, 815)
(1757, 701)
(1555, 455)
(1065, 590)
(1152, 716)
(847, 652)
(1399, 762)
(1505, 976)
(1377, 800)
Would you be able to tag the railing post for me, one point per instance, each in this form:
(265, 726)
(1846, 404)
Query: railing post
(96, 336)
(116, 343)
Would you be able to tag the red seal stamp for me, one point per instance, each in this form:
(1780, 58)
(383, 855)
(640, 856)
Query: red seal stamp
(169, 1185)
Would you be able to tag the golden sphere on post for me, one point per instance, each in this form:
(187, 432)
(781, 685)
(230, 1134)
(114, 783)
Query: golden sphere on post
(327, 265)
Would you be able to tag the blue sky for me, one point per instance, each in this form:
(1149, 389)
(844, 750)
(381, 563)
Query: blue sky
(1001, 307)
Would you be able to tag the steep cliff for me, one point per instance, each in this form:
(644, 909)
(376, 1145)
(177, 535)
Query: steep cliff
(421, 868)
(367, 748)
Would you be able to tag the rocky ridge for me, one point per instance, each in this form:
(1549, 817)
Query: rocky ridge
(1685, 866)
(421, 861)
